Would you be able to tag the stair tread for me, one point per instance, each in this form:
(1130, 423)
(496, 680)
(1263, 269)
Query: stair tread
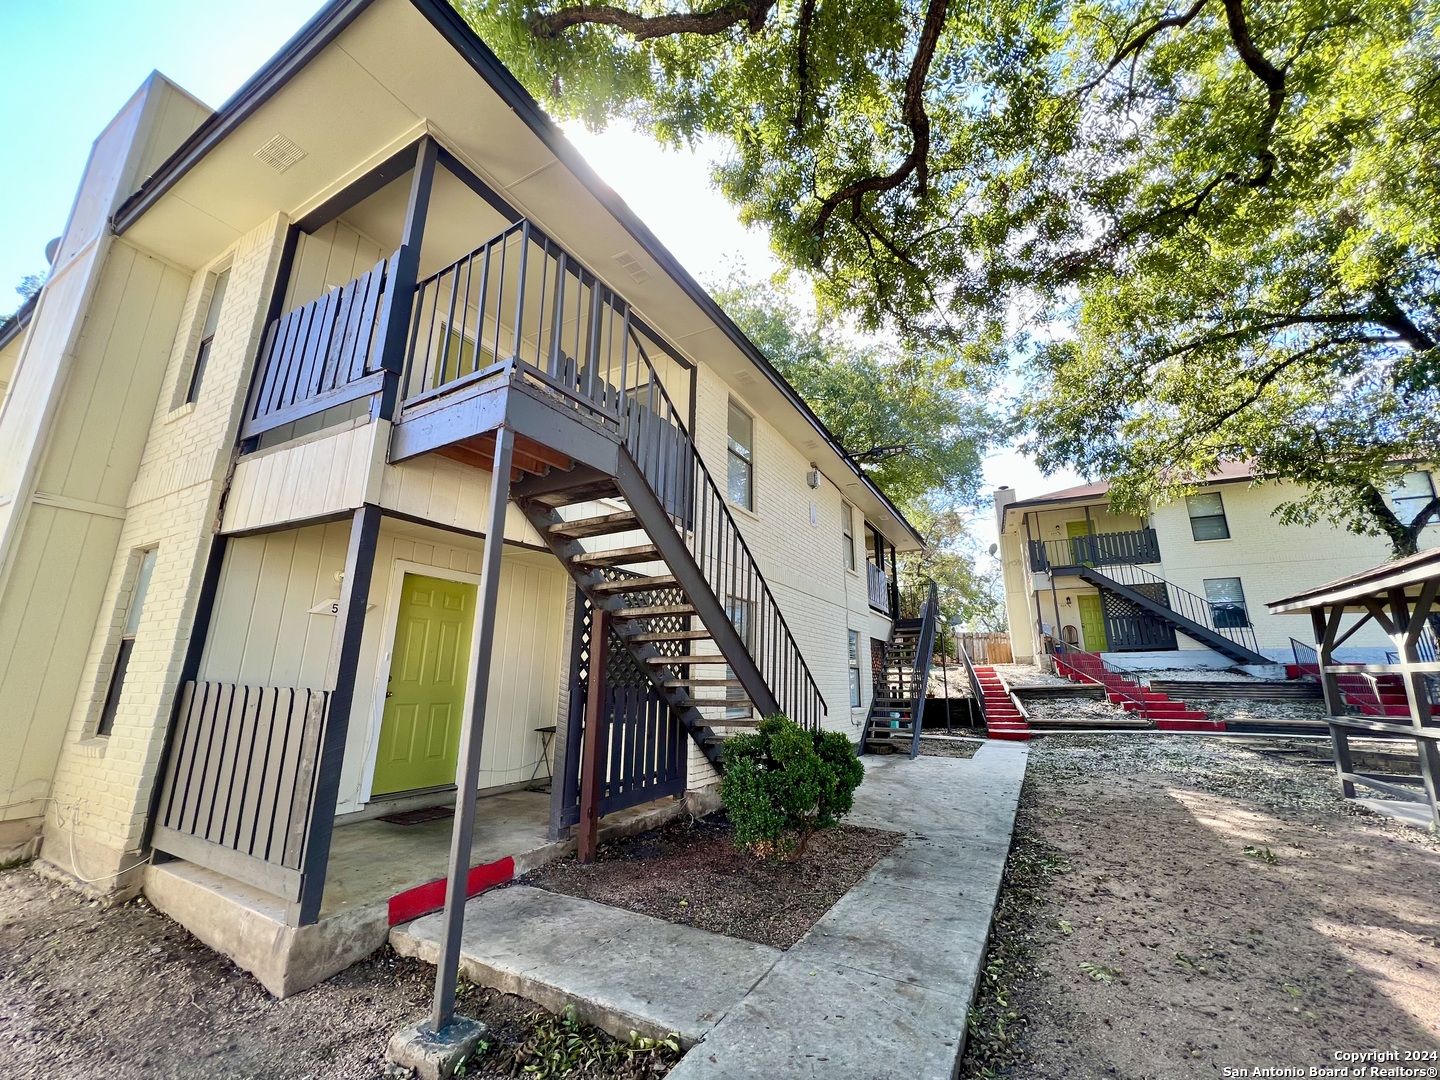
(688, 658)
(652, 612)
(677, 683)
(617, 557)
(636, 585)
(650, 637)
(622, 521)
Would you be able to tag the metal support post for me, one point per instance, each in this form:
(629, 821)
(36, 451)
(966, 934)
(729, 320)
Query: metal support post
(594, 736)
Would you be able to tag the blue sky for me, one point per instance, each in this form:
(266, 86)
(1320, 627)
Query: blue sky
(67, 66)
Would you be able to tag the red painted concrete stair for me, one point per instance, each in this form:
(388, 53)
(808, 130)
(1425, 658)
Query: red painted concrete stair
(1002, 719)
(1160, 709)
(1379, 695)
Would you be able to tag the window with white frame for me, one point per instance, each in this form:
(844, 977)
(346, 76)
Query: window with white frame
(741, 614)
(854, 669)
(207, 334)
(847, 528)
(740, 444)
(1207, 516)
(1227, 603)
(145, 567)
(1410, 494)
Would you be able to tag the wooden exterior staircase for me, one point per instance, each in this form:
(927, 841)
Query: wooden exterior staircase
(897, 711)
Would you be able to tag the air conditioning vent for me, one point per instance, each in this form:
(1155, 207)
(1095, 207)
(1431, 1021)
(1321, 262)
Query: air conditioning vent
(280, 153)
(632, 266)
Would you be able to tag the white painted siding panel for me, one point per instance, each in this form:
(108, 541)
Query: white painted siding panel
(263, 634)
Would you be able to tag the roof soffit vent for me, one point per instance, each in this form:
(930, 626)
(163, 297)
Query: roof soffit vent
(632, 266)
(280, 153)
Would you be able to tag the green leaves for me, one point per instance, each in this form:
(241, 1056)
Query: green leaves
(781, 783)
(1201, 230)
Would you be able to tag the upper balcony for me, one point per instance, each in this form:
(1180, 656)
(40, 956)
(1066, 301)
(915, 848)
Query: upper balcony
(445, 337)
(1133, 548)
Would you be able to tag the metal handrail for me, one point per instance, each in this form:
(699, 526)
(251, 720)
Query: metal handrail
(1095, 549)
(976, 690)
(1089, 665)
(1306, 658)
(578, 339)
(1191, 605)
(920, 672)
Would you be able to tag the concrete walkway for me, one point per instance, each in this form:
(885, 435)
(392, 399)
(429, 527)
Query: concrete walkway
(879, 987)
(621, 971)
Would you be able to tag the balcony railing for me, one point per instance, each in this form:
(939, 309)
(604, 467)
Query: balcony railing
(520, 298)
(878, 583)
(1133, 548)
(320, 355)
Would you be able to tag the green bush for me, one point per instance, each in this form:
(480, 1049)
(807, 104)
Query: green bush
(781, 784)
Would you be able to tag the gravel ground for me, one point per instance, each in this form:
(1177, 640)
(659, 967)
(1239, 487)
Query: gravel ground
(123, 992)
(691, 873)
(931, 747)
(1096, 710)
(1196, 674)
(1029, 675)
(1274, 926)
(1231, 709)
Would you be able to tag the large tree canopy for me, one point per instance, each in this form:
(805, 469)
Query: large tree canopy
(1219, 214)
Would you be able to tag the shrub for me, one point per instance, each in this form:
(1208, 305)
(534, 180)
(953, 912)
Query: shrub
(782, 784)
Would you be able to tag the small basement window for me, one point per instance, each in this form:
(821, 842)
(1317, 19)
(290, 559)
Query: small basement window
(127, 642)
(1207, 517)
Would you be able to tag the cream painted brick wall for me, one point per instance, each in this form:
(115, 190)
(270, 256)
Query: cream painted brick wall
(1271, 559)
(102, 785)
(800, 558)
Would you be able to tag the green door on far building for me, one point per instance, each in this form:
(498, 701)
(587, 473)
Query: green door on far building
(1092, 623)
(425, 696)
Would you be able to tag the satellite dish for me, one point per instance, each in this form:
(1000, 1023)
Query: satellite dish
(994, 548)
(50, 249)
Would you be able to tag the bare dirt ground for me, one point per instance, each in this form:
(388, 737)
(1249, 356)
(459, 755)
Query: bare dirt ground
(1174, 907)
(690, 872)
(90, 992)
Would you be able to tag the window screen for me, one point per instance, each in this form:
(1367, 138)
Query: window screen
(1207, 517)
(741, 453)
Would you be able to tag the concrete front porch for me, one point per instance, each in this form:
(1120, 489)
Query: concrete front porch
(380, 873)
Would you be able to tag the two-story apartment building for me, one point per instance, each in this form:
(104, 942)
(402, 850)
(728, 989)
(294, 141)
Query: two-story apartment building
(1186, 584)
(343, 411)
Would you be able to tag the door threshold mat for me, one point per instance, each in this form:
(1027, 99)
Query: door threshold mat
(420, 817)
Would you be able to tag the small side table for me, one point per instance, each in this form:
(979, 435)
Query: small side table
(547, 736)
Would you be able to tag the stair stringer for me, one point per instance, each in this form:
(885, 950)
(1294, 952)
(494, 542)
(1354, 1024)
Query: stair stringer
(1203, 634)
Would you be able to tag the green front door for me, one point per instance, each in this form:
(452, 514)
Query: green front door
(425, 695)
(1092, 623)
(1081, 551)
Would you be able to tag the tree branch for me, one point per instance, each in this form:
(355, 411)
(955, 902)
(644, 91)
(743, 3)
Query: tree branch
(644, 27)
(1137, 43)
(1274, 80)
(916, 119)
(802, 62)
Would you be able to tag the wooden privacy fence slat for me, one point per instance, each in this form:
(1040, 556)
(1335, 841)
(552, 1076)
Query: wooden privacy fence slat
(320, 355)
(236, 794)
(991, 648)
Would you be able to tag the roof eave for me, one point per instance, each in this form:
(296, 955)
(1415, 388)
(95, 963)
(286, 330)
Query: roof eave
(325, 26)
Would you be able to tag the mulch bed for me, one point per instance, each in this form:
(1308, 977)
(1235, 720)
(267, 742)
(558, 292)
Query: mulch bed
(691, 873)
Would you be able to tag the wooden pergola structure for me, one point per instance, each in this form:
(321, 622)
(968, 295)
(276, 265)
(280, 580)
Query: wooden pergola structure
(1401, 598)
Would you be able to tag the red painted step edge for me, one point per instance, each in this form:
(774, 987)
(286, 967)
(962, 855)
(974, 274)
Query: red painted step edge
(423, 899)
